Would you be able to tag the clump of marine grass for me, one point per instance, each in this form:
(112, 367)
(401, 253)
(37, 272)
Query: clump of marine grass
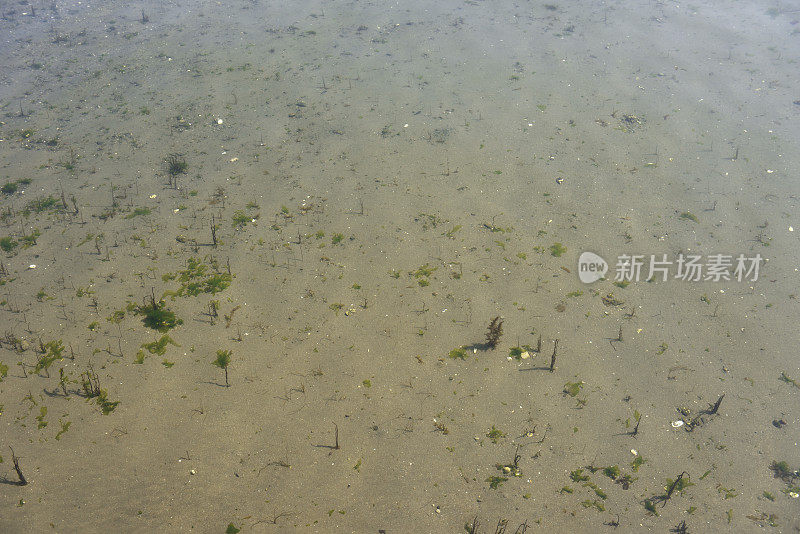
(8, 244)
(51, 352)
(176, 164)
(197, 278)
(92, 390)
(157, 316)
(159, 347)
(40, 205)
(782, 471)
(9, 188)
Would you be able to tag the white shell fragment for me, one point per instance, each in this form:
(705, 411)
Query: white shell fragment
(677, 424)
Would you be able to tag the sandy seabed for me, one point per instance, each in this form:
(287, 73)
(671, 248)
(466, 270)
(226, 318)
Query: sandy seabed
(339, 197)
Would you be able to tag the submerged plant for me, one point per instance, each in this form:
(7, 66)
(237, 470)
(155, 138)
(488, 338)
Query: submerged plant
(159, 347)
(92, 390)
(494, 333)
(496, 481)
(176, 164)
(458, 353)
(155, 315)
(572, 388)
(51, 352)
(222, 361)
(197, 278)
(495, 434)
(557, 249)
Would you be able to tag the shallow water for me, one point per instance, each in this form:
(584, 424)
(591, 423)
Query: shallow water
(366, 186)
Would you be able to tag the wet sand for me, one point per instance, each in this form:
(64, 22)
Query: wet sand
(383, 180)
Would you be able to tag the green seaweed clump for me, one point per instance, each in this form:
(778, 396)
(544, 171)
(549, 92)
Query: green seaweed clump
(137, 212)
(157, 316)
(677, 485)
(159, 347)
(8, 243)
(637, 462)
(578, 476)
(557, 249)
(51, 352)
(520, 353)
(783, 471)
(197, 279)
(496, 481)
(495, 434)
(458, 353)
(611, 471)
(572, 388)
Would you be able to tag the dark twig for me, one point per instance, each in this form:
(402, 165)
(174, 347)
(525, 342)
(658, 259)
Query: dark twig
(635, 430)
(336, 436)
(712, 408)
(15, 460)
(672, 487)
(553, 357)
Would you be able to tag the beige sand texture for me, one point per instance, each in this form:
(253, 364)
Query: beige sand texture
(383, 179)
